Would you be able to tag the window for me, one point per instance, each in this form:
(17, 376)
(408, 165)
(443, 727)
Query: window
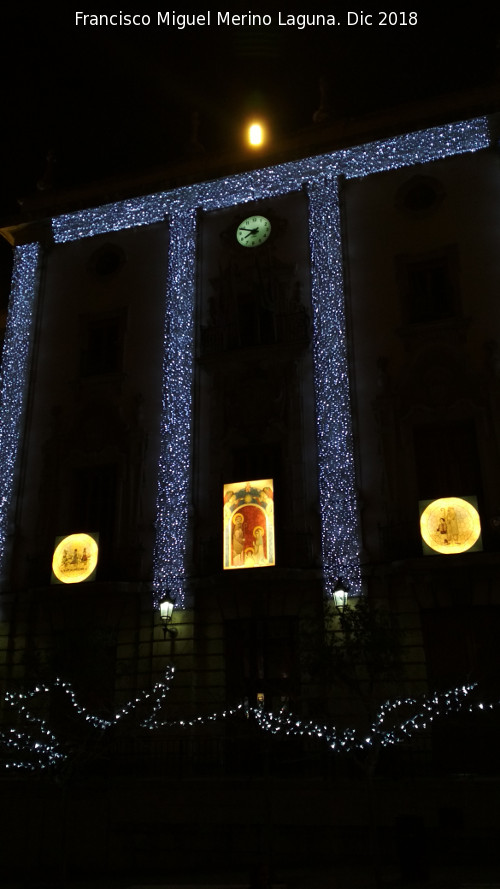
(446, 460)
(261, 656)
(93, 502)
(429, 286)
(103, 346)
(107, 260)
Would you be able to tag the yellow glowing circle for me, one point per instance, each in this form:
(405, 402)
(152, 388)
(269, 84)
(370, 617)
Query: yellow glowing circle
(237, 518)
(75, 558)
(450, 525)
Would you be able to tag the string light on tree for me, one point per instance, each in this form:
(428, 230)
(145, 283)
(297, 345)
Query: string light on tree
(34, 745)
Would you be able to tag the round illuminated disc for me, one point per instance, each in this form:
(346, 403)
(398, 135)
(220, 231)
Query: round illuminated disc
(75, 558)
(450, 525)
(253, 231)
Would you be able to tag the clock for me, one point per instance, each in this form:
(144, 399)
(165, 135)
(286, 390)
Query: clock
(253, 231)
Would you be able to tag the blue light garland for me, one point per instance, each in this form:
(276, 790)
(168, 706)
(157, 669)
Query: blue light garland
(337, 484)
(14, 377)
(41, 748)
(33, 746)
(175, 454)
(421, 712)
(319, 175)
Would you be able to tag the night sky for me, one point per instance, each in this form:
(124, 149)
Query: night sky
(118, 100)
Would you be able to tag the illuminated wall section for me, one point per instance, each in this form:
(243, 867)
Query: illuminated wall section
(248, 519)
(319, 176)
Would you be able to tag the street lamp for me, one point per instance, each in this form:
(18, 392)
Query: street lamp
(340, 594)
(166, 611)
(256, 134)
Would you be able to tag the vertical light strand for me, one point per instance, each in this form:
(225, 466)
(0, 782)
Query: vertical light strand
(174, 470)
(14, 379)
(339, 517)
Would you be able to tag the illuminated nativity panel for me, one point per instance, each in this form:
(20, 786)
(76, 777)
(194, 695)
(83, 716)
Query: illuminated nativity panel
(249, 524)
(75, 558)
(450, 525)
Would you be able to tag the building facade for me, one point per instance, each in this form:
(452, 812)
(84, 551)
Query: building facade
(246, 391)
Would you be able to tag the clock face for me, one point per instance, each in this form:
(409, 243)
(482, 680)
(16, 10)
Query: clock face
(253, 231)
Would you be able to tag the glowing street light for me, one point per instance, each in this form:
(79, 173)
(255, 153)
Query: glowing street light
(255, 135)
(166, 611)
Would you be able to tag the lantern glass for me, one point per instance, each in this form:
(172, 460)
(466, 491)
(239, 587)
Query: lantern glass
(340, 598)
(166, 610)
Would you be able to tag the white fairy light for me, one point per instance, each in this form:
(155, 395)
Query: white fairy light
(38, 747)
